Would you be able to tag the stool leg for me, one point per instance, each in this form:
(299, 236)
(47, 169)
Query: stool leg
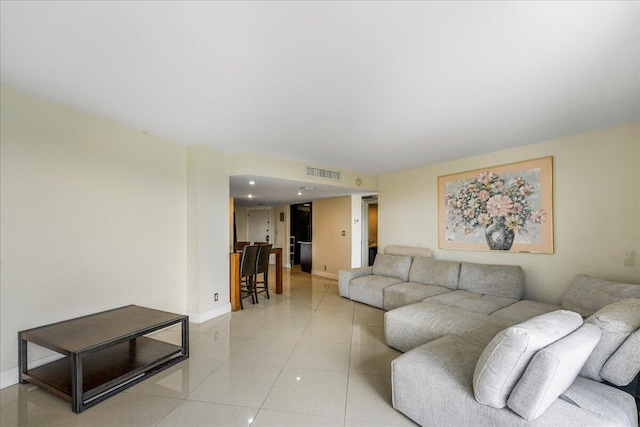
(255, 288)
(252, 290)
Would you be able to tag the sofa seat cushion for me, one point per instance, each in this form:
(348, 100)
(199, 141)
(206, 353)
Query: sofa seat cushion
(551, 371)
(435, 272)
(392, 266)
(499, 280)
(369, 289)
(432, 385)
(504, 360)
(472, 301)
(416, 324)
(617, 321)
(483, 335)
(616, 407)
(406, 293)
(427, 375)
(524, 310)
(588, 294)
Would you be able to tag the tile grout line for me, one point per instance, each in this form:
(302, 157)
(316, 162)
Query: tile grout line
(285, 364)
(346, 397)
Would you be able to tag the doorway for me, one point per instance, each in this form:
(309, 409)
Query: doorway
(300, 229)
(369, 229)
(259, 225)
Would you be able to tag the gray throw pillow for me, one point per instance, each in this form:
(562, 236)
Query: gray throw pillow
(551, 371)
(505, 358)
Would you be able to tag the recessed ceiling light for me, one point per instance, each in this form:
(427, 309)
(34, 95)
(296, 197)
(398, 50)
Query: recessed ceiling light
(252, 183)
(250, 196)
(299, 193)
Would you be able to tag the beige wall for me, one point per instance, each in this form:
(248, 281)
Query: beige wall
(96, 215)
(93, 217)
(242, 226)
(356, 231)
(331, 217)
(281, 232)
(207, 233)
(596, 209)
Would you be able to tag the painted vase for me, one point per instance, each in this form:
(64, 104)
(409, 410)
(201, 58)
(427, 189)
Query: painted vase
(499, 236)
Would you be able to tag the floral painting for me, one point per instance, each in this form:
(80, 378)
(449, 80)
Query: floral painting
(501, 208)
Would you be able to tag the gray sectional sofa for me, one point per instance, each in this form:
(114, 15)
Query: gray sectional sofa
(476, 353)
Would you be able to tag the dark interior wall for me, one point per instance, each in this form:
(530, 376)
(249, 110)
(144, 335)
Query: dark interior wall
(300, 226)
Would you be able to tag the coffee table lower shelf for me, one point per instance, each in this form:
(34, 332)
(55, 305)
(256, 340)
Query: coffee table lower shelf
(107, 370)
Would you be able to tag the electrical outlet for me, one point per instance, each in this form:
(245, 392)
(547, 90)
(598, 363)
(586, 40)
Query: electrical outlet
(325, 268)
(344, 233)
(215, 296)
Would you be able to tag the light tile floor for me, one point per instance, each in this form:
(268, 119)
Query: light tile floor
(306, 357)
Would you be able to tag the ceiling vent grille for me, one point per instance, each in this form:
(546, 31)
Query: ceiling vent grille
(323, 173)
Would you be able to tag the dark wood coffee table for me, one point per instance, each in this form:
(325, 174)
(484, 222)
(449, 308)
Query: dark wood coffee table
(105, 353)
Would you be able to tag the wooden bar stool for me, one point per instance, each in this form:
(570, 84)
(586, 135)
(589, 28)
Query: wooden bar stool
(248, 262)
(262, 267)
(240, 245)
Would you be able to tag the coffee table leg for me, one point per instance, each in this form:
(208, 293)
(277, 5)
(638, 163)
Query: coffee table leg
(76, 382)
(185, 336)
(22, 359)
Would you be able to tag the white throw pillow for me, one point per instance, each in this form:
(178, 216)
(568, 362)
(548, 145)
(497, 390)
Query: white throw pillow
(551, 371)
(505, 358)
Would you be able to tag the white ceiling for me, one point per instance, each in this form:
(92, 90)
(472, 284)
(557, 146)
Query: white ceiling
(368, 86)
(274, 192)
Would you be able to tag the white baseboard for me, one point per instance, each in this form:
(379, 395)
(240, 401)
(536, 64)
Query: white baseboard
(325, 274)
(10, 376)
(208, 315)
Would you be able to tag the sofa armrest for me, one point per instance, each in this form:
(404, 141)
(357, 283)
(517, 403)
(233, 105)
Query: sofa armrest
(346, 276)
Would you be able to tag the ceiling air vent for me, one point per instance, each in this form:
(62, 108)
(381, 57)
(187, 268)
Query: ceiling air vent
(323, 173)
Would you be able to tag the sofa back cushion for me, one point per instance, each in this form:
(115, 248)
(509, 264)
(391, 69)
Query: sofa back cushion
(551, 371)
(392, 266)
(435, 272)
(408, 250)
(499, 280)
(588, 294)
(617, 322)
(505, 358)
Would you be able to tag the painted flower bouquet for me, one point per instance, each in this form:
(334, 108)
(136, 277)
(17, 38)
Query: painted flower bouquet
(504, 208)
